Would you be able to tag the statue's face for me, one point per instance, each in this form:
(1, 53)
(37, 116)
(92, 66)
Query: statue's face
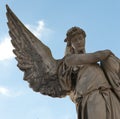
(78, 43)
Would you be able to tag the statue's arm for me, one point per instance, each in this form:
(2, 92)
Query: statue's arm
(79, 59)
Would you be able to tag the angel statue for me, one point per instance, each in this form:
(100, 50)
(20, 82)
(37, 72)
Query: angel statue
(92, 80)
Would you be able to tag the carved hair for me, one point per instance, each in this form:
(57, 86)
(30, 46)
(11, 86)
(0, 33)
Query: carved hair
(71, 33)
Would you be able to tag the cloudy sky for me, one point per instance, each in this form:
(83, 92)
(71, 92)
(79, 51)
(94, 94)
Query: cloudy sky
(49, 21)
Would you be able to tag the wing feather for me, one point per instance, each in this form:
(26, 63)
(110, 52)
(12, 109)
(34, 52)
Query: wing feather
(34, 58)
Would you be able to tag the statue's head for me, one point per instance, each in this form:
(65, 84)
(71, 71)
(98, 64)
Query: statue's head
(75, 38)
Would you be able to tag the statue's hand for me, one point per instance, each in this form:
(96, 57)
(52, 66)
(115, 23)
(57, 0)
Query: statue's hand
(67, 60)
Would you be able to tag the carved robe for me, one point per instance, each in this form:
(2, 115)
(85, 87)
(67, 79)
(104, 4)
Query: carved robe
(90, 89)
(95, 89)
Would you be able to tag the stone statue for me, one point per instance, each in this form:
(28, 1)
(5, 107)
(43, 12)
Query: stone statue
(92, 80)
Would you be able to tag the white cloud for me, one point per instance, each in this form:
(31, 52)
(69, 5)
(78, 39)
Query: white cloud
(40, 30)
(37, 30)
(6, 47)
(4, 91)
(7, 92)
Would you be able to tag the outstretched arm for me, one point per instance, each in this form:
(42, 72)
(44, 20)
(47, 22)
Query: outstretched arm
(79, 59)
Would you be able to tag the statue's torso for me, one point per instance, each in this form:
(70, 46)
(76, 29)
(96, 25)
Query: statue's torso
(90, 77)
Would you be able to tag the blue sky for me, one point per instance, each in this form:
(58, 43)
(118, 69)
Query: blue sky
(49, 21)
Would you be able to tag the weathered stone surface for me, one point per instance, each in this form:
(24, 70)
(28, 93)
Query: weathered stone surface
(93, 87)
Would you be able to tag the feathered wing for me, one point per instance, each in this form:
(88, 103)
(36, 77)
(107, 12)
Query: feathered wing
(34, 58)
(111, 68)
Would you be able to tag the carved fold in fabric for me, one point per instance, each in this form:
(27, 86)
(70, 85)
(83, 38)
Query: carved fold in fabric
(111, 68)
(95, 89)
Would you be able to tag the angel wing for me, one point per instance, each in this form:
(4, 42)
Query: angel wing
(34, 58)
(111, 68)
